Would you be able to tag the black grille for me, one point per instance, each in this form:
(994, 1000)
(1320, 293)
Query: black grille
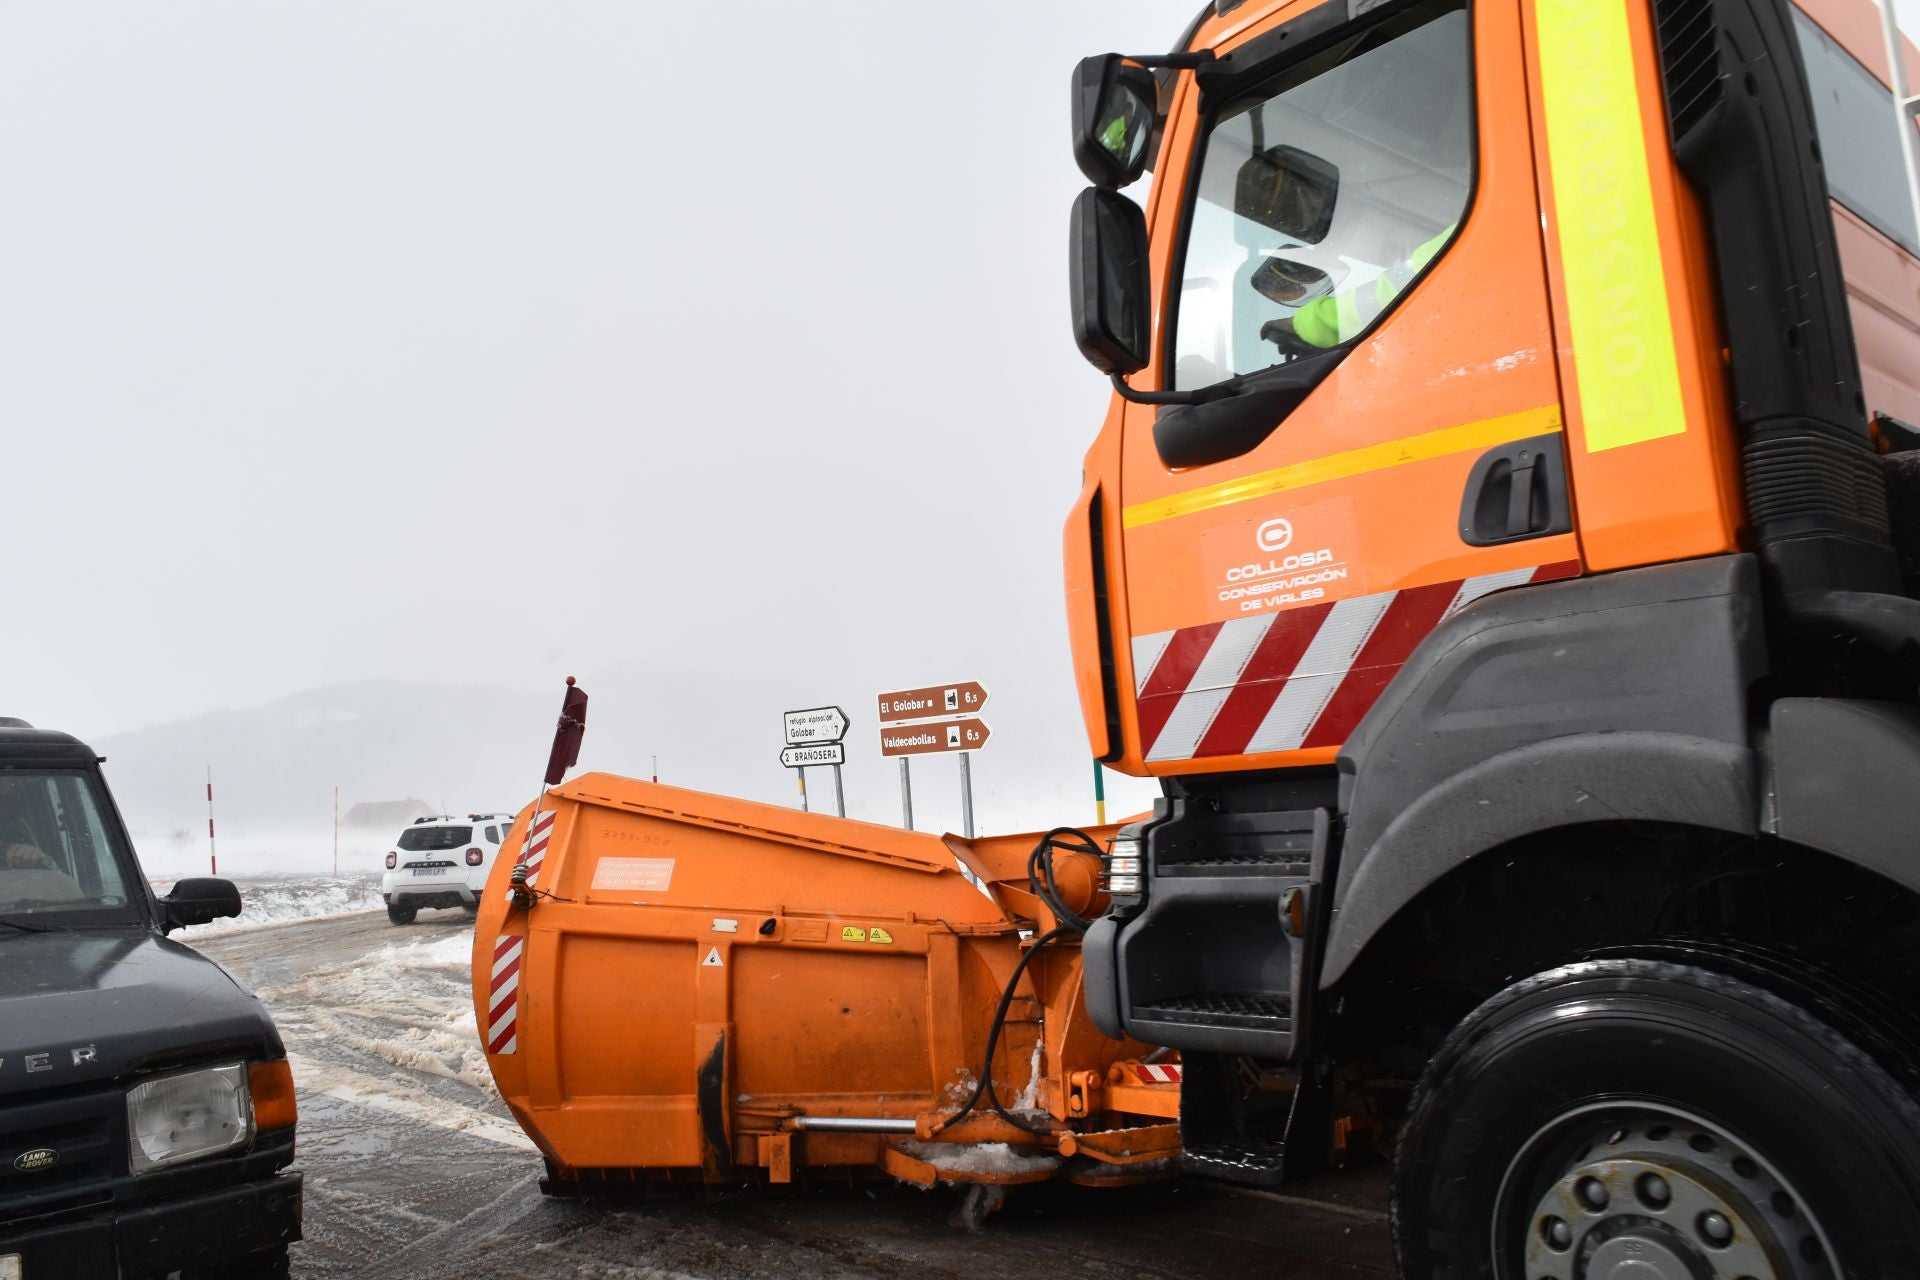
(87, 1133)
(1286, 864)
(1815, 477)
(1221, 1009)
(1689, 61)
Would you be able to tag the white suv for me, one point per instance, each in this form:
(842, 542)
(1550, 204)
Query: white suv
(442, 862)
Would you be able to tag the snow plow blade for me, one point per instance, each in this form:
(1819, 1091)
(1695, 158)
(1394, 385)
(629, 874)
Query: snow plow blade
(708, 989)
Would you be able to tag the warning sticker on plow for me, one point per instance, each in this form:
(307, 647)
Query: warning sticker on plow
(644, 875)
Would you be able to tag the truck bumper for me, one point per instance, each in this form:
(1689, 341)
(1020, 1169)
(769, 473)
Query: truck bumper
(162, 1236)
(434, 896)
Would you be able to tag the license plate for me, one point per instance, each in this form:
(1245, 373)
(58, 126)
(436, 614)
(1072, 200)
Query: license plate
(11, 1268)
(419, 871)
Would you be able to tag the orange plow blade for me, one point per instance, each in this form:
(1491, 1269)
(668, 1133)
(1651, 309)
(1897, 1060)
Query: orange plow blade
(694, 987)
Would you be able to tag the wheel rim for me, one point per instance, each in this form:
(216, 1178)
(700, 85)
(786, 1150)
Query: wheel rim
(1644, 1191)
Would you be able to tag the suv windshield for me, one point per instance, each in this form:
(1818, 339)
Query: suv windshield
(58, 855)
(433, 839)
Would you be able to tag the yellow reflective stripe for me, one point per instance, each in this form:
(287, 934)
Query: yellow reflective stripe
(1624, 363)
(1484, 434)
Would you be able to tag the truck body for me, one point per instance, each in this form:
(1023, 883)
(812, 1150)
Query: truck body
(1501, 544)
(147, 1111)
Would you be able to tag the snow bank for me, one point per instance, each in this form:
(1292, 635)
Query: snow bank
(272, 900)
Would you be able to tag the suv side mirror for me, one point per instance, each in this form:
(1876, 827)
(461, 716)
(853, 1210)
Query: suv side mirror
(199, 901)
(1113, 117)
(1111, 292)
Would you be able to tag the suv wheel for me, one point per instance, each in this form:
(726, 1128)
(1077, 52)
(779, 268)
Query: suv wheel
(402, 915)
(1640, 1115)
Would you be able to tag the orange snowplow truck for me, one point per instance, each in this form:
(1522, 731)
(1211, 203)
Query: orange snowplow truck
(1501, 545)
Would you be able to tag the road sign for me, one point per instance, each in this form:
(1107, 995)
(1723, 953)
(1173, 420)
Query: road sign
(931, 739)
(815, 725)
(964, 698)
(806, 757)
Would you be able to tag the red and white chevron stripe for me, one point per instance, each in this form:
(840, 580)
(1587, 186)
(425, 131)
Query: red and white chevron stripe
(1158, 1072)
(535, 852)
(1294, 678)
(503, 1000)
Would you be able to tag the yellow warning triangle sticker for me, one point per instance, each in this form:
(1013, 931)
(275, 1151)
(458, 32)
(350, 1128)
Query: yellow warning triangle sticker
(713, 960)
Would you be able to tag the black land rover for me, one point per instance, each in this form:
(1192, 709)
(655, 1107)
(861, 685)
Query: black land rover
(146, 1106)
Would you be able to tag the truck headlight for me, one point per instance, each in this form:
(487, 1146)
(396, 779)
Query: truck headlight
(181, 1117)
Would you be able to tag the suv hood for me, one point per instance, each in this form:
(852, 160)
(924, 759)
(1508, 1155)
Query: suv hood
(88, 1005)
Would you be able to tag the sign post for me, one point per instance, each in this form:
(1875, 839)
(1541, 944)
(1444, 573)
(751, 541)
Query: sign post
(813, 737)
(966, 796)
(934, 720)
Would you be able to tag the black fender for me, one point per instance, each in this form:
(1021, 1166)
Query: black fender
(1622, 696)
(1845, 779)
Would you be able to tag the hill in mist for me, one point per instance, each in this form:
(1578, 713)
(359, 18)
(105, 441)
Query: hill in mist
(461, 748)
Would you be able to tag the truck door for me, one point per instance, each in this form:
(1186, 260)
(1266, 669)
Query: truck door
(1358, 215)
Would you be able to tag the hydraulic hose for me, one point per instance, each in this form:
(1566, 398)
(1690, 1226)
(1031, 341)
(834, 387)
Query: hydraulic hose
(1040, 879)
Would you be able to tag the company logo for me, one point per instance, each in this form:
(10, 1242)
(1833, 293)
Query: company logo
(1274, 535)
(37, 1159)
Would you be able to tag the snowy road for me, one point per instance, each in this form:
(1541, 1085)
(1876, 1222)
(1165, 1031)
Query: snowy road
(415, 1170)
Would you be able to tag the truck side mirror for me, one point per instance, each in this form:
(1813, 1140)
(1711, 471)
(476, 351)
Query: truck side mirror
(199, 901)
(1113, 118)
(1111, 292)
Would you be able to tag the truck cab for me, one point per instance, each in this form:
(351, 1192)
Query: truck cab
(1499, 544)
(146, 1106)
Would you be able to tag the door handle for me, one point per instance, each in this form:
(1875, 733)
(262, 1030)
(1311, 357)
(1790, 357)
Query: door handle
(1516, 491)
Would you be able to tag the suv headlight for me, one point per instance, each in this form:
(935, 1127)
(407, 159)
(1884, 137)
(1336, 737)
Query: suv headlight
(181, 1117)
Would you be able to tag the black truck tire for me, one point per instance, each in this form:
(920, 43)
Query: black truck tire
(1642, 1114)
(401, 915)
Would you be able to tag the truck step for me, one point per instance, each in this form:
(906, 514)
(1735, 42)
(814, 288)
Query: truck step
(1245, 1161)
(1263, 1012)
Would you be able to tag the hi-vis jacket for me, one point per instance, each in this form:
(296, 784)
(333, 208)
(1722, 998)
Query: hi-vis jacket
(1339, 317)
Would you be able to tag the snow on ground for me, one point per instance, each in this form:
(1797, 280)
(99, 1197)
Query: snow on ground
(271, 900)
(409, 1003)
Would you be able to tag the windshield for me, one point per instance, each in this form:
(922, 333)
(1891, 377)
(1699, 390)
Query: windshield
(426, 839)
(59, 856)
(1320, 200)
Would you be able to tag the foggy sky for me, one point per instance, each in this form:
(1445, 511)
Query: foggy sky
(490, 342)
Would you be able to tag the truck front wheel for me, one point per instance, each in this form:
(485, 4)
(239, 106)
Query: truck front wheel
(1644, 1118)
